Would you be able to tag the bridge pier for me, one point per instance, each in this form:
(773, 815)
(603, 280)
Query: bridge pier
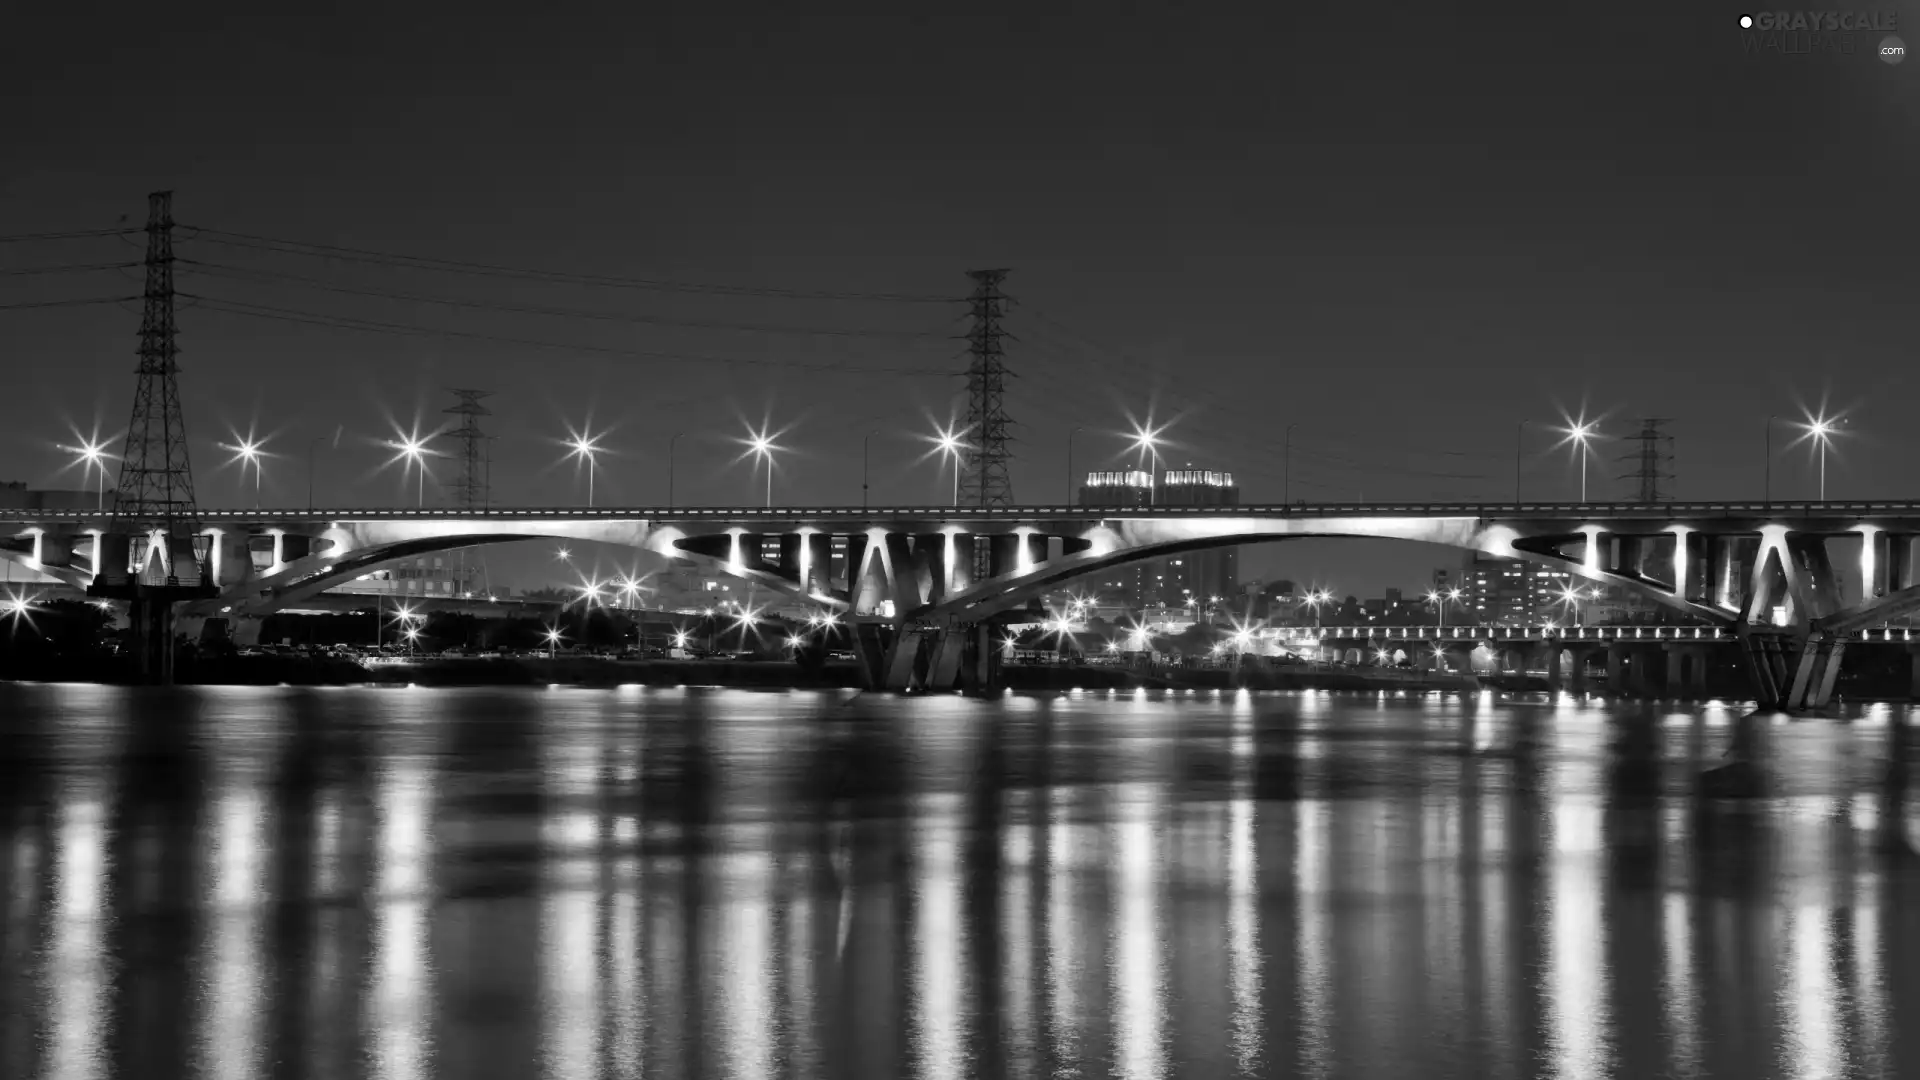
(1686, 670)
(1793, 674)
(150, 626)
(1913, 683)
(1551, 662)
(1581, 657)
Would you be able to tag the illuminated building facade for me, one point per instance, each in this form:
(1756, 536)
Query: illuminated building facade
(1193, 578)
(1512, 592)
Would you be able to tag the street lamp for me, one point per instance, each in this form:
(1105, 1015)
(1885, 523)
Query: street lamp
(1821, 431)
(865, 442)
(584, 445)
(1571, 595)
(413, 451)
(1439, 600)
(948, 442)
(1581, 433)
(1147, 440)
(247, 452)
(553, 636)
(1072, 495)
(92, 456)
(312, 444)
(761, 445)
(1286, 468)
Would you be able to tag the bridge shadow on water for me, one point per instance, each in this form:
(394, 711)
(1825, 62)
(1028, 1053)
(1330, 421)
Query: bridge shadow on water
(708, 883)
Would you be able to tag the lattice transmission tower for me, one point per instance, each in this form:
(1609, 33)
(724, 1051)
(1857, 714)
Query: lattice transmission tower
(1652, 461)
(151, 553)
(470, 490)
(154, 505)
(983, 476)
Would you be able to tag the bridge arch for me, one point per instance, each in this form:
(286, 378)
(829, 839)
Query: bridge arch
(359, 548)
(1117, 544)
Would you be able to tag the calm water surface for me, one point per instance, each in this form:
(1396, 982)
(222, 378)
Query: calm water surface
(241, 882)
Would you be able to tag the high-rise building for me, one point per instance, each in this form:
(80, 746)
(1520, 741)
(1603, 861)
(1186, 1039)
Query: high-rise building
(1514, 592)
(1206, 580)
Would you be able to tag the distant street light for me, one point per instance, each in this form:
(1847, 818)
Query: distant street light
(247, 452)
(92, 456)
(1146, 440)
(760, 444)
(677, 436)
(413, 452)
(1581, 434)
(553, 636)
(1072, 491)
(865, 442)
(948, 442)
(1821, 431)
(312, 444)
(584, 445)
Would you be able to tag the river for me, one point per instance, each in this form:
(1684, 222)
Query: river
(663, 882)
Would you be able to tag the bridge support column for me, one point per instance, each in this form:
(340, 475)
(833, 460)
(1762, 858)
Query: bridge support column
(1551, 662)
(870, 641)
(902, 658)
(949, 650)
(150, 627)
(1766, 669)
(1913, 678)
(1616, 669)
(1686, 670)
(980, 660)
(1581, 658)
(1815, 671)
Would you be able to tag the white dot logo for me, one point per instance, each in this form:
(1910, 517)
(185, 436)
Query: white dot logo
(1892, 49)
(1746, 22)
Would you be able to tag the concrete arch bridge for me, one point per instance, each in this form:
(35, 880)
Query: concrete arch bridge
(924, 585)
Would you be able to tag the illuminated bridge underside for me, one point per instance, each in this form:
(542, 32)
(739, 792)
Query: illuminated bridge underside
(942, 571)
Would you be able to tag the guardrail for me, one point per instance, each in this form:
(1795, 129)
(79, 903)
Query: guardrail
(1499, 511)
(1564, 633)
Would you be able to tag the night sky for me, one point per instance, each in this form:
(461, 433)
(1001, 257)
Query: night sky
(1400, 231)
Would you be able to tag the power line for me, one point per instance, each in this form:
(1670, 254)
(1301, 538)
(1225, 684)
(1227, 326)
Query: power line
(262, 311)
(22, 238)
(422, 262)
(69, 268)
(67, 303)
(269, 277)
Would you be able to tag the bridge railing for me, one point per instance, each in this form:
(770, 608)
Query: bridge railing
(1562, 633)
(1595, 510)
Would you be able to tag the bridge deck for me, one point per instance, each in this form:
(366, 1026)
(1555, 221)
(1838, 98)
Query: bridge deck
(1664, 512)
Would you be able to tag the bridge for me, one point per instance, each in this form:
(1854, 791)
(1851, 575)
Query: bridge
(1791, 582)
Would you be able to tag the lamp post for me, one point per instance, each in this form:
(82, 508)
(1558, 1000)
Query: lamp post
(1073, 498)
(93, 456)
(585, 446)
(948, 443)
(1581, 433)
(1820, 430)
(866, 442)
(1519, 455)
(1146, 439)
(1286, 468)
(312, 445)
(247, 452)
(760, 445)
(670, 444)
(1766, 489)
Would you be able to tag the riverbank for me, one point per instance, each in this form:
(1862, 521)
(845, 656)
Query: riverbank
(596, 671)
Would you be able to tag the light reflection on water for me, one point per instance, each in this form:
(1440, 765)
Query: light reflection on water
(575, 883)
